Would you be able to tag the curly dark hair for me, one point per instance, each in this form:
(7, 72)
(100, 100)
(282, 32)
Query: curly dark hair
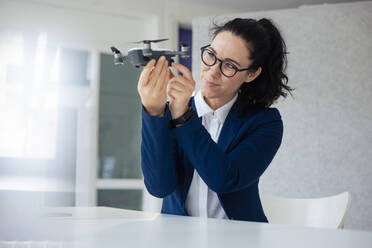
(268, 51)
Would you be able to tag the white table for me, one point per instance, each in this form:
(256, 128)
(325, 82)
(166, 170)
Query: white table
(109, 227)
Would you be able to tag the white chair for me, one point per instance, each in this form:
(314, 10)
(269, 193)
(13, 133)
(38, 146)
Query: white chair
(329, 212)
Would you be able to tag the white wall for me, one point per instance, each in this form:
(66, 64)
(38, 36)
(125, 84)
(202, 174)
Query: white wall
(118, 21)
(327, 141)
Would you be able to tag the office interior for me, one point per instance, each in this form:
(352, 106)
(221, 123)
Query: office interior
(70, 120)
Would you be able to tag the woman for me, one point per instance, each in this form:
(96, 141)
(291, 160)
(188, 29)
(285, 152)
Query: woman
(205, 154)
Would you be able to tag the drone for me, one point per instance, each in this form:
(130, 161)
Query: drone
(140, 56)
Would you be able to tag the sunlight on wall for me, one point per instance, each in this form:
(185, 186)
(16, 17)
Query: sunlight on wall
(40, 184)
(29, 95)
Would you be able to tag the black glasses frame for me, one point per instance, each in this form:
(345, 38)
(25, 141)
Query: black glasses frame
(221, 61)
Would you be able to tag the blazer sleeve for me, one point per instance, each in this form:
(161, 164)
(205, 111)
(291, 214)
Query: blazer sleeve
(157, 154)
(236, 169)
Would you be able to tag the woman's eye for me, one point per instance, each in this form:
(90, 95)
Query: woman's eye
(211, 54)
(230, 66)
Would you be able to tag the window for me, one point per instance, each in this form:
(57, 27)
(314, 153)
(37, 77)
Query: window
(120, 182)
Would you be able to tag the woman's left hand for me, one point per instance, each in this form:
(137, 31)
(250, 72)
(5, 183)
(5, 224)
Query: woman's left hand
(180, 90)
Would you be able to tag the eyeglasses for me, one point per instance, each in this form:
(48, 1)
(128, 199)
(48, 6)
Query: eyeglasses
(227, 68)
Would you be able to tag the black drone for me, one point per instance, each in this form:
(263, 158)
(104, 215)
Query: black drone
(140, 56)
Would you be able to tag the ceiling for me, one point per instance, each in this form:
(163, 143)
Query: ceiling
(257, 5)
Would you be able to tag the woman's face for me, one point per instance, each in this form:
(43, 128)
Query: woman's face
(216, 88)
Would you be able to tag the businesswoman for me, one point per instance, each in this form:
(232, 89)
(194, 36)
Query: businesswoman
(204, 155)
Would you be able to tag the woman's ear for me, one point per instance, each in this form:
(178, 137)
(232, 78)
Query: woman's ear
(253, 75)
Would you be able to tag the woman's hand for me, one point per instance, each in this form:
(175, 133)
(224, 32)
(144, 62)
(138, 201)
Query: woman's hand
(152, 86)
(180, 91)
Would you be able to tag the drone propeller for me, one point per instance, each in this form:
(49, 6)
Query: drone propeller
(149, 41)
(114, 50)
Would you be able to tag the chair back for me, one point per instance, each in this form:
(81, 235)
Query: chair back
(329, 212)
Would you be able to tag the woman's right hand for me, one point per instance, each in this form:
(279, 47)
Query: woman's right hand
(152, 86)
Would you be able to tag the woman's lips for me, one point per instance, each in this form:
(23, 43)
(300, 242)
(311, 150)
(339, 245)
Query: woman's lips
(211, 84)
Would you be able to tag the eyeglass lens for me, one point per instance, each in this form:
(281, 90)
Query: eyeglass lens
(209, 59)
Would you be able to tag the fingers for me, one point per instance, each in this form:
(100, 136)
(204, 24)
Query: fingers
(177, 86)
(145, 74)
(163, 77)
(180, 88)
(183, 69)
(182, 82)
(171, 75)
(153, 75)
(175, 93)
(150, 64)
(158, 68)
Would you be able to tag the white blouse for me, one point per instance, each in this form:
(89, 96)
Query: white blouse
(202, 201)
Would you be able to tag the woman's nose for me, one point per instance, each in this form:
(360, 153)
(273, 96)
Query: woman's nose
(215, 70)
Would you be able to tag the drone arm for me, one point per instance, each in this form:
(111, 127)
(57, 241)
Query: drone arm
(171, 53)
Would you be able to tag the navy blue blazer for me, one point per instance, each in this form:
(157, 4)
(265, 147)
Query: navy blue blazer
(232, 167)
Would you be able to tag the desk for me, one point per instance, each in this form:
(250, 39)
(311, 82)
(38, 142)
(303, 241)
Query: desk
(109, 227)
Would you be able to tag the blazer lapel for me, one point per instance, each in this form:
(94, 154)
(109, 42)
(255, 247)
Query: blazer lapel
(230, 128)
(192, 104)
(228, 133)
